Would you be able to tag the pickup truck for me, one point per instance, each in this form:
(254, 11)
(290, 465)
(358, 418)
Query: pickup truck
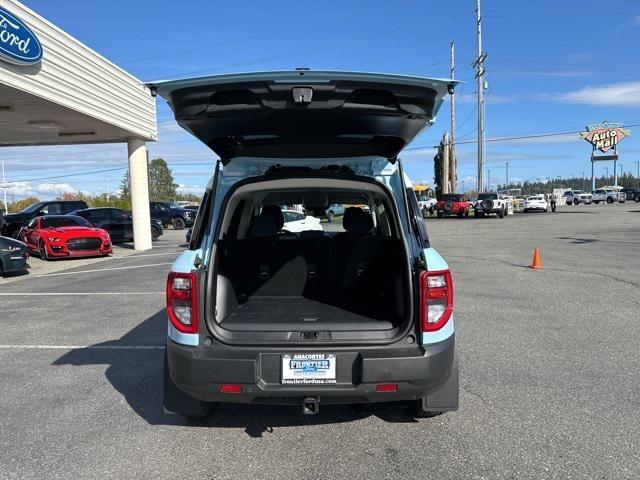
(632, 193)
(609, 196)
(170, 213)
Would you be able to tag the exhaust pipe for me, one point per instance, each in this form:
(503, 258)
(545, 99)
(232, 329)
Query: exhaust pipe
(311, 406)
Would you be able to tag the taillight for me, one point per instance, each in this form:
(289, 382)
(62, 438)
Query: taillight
(182, 302)
(436, 299)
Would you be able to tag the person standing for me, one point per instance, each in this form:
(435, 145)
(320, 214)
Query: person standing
(552, 201)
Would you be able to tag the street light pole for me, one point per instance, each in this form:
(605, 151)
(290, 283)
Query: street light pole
(582, 182)
(507, 165)
(638, 174)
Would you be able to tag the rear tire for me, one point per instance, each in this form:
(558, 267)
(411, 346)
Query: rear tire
(155, 234)
(460, 214)
(576, 201)
(609, 200)
(178, 223)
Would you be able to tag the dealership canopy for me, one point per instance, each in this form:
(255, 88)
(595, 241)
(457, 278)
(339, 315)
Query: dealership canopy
(56, 91)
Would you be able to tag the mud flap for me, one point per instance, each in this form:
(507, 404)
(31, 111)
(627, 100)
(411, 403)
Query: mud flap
(175, 401)
(446, 398)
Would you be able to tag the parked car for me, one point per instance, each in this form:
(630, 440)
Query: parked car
(576, 197)
(172, 214)
(118, 222)
(334, 211)
(65, 236)
(489, 204)
(632, 194)
(426, 199)
(535, 202)
(296, 222)
(609, 196)
(13, 256)
(359, 316)
(453, 204)
(15, 221)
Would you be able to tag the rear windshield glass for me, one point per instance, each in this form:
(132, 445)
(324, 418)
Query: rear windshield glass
(450, 198)
(491, 196)
(67, 221)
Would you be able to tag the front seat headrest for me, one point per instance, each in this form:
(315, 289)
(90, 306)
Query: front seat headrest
(276, 212)
(263, 226)
(356, 221)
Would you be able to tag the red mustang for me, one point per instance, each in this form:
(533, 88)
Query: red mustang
(453, 204)
(63, 236)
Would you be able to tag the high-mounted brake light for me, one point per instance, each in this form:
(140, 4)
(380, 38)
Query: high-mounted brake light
(182, 301)
(436, 299)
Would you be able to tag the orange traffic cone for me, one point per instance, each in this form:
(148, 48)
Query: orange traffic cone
(537, 261)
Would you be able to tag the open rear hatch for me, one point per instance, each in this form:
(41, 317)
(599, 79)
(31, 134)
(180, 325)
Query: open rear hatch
(355, 286)
(305, 114)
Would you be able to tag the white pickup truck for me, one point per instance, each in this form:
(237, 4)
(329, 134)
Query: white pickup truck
(608, 195)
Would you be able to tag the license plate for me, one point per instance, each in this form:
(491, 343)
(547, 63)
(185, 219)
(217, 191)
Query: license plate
(309, 368)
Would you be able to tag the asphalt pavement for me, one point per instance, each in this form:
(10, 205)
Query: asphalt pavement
(549, 360)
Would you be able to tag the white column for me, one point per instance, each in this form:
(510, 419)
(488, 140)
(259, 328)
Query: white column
(139, 194)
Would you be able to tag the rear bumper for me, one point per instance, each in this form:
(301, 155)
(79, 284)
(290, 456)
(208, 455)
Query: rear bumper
(200, 371)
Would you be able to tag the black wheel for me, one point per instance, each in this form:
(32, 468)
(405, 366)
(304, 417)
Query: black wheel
(637, 199)
(576, 201)
(440, 214)
(501, 214)
(609, 200)
(155, 234)
(330, 216)
(178, 223)
(42, 249)
(460, 214)
(597, 202)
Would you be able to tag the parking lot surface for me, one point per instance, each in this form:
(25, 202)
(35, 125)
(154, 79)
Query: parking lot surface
(549, 370)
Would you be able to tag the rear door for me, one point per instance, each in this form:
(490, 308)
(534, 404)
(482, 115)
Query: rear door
(305, 114)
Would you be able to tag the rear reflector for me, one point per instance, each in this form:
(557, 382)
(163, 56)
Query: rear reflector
(230, 388)
(436, 299)
(386, 387)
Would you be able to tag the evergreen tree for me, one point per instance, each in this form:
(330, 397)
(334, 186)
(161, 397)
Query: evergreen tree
(161, 184)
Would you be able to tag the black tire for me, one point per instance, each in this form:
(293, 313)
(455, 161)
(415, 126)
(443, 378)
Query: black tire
(460, 214)
(155, 234)
(637, 199)
(440, 214)
(597, 202)
(330, 216)
(609, 200)
(179, 223)
(576, 201)
(42, 250)
(501, 213)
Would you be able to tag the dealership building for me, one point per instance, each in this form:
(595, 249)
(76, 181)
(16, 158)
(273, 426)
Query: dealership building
(56, 91)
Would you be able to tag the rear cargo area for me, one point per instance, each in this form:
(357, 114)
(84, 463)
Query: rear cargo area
(342, 283)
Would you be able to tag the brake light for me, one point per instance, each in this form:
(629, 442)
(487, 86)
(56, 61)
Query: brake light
(182, 301)
(436, 299)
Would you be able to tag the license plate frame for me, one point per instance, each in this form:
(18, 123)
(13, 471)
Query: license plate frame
(308, 369)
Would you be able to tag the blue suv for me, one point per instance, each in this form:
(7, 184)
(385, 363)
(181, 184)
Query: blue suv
(359, 312)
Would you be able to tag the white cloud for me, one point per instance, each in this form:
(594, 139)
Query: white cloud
(626, 94)
(190, 189)
(40, 190)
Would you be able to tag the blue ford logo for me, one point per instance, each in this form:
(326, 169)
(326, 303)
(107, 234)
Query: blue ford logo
(18, 44)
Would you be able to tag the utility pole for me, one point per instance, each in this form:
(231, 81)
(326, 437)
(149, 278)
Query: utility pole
(452, 153)
(479, 64)
(445, 164)
(488, 180)
(582, 181)
(4, 190)
(638, 174)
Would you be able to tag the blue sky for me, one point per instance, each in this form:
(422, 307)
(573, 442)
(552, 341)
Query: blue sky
(551, 67)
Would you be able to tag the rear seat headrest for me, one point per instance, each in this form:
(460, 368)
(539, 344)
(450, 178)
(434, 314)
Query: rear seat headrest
(276, 212)
(356, 221)
(263, 226)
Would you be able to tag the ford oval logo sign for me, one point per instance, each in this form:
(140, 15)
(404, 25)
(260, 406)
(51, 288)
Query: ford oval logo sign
(18, 44)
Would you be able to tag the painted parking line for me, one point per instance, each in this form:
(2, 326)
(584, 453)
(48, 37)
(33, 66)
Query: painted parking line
(82, 347)
(71, 294)
(103, 269)
(151, 254)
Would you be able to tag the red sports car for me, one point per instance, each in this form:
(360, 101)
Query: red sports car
(64, 236)
(453, 204)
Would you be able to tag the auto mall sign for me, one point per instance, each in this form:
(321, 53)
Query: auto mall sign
(605, 136)
(18, 44)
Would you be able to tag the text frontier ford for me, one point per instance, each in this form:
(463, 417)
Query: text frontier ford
(261, 315)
